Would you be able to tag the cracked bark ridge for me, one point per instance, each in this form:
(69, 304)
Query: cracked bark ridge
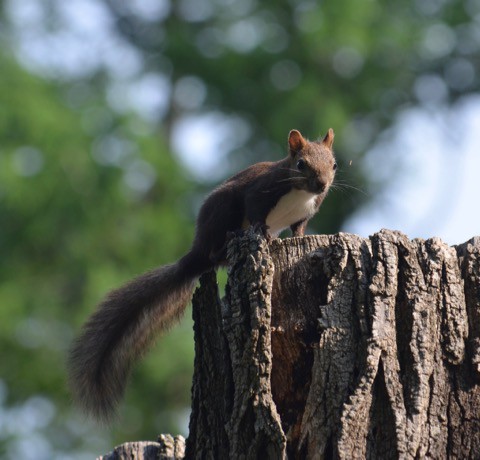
(469, 260)
(254, 430)
(233, 413)
(212, 380)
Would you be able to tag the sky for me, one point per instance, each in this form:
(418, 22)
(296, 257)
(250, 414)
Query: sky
(429, 158)
(437, 192)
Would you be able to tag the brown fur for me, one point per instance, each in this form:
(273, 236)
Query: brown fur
(127, 321)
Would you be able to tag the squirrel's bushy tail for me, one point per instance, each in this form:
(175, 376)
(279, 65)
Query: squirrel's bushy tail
(123, 328)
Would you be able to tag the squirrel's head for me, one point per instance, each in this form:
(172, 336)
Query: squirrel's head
(313, 163)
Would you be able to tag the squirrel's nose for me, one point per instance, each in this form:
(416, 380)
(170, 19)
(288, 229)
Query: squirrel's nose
(318, 186)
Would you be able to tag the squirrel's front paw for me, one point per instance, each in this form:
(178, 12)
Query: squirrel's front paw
(263, 229)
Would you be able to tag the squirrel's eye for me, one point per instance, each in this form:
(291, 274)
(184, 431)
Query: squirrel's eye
(335, 166)
(300, 165)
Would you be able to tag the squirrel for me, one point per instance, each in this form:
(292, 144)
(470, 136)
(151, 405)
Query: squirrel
(271, 196)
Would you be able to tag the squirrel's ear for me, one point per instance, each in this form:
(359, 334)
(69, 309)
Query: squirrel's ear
(328, 139)
(296, 142)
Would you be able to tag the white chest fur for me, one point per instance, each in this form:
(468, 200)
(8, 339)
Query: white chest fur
(292, 207)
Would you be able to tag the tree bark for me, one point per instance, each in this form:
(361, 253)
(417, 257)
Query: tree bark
(339, 347)
(345, 347)
(166, 447)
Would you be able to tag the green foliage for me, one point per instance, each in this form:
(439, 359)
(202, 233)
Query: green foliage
(72, 229)
(312, 65)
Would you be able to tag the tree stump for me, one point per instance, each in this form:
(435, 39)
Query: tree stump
(339, 347)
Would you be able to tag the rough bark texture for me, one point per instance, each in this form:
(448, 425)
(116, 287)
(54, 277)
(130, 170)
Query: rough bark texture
(235, 395)
(167, 447)
(339, 347)
(212, 393)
